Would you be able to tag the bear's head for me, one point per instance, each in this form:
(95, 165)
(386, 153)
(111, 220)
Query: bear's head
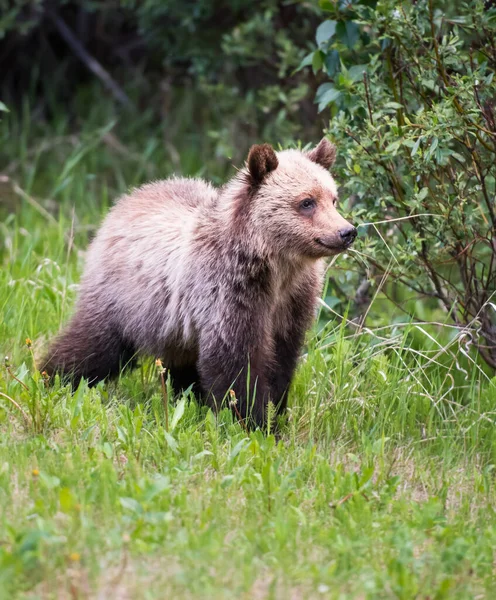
(292, 201)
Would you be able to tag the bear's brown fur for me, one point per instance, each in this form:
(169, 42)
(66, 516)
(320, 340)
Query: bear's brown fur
(220, 284)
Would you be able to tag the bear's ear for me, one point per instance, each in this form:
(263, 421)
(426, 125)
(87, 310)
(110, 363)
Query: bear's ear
(323, 154)
(261, 161)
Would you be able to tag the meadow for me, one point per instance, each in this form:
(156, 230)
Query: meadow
(378, 484)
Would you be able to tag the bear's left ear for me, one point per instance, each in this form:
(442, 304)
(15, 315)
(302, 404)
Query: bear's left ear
(261, 161)
(323, 154)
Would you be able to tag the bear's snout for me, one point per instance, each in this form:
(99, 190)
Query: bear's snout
(338, 241)
(348, 235)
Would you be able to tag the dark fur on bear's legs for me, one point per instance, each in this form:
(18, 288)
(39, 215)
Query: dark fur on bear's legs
(235, 353)
(287, 352)
(88, 348)
(183, 377)
(288, 348)
(246, 351)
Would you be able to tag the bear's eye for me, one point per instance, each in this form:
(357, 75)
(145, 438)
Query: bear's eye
(307, 205)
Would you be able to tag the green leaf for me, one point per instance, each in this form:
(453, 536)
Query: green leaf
(31, 541)
(416, 146)
(202, 454)
(131, 504)
(108, 450)
(178, 413)
(171, 442)
(393, 146)
(356, 72)
(352, 31)
(3, 107)
(423, 193)
(378, 445)
(317, 61)
(348, 33)
(332, 62)
(67, 500)
(121, 434)
(326, 94)
(307, 61)
(459, 20)
(50, 481)
(158, 485)
(326, 5)
(325, 32)
(396, 105)
(332, 301)
(432, 149)
(226, 481)
(239, 446)
(366, 476)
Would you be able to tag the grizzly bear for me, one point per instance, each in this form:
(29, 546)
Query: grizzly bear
(220, 284)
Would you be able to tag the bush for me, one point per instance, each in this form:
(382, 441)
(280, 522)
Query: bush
(239, 57)
(411, 91)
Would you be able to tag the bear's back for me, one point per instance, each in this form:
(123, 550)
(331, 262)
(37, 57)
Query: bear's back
(173, 193)
(141, 259)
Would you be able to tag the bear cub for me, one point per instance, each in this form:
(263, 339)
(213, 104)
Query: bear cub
(220, 284)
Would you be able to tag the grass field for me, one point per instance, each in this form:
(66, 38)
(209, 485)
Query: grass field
(379, 485)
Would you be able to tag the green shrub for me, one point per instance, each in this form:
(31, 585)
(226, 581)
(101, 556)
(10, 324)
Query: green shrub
(239, 58)
(410, 87)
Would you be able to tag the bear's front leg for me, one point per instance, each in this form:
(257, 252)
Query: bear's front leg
(289, 339)
(235, 355)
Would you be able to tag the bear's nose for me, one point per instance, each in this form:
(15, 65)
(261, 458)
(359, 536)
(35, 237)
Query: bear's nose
(348, 234)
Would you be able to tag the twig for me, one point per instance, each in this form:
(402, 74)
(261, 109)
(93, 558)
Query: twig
(166, 401)
(44, 146)
(399, 219)
(9, 371)
(30, 200)
(345, 499)
(91, 63)
(122, 568)
(24, 414)
(233, 403)
(379, 288)
(367, 96)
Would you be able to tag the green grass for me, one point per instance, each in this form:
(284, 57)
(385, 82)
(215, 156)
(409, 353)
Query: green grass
(379, 485)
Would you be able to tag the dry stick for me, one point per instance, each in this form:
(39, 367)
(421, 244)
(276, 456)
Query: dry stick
(30, 200)
(233, 403)
(9, 371)
(24, 414)
(34, 203)
(166, 401)
(379, 288)
(399, 219)
(367, 96)
(70, 243)
(44, 146)
(122, 568)
(91, 63)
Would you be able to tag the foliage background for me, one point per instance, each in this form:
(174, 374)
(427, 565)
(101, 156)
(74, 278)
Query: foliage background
(412, 95)
(230, 58)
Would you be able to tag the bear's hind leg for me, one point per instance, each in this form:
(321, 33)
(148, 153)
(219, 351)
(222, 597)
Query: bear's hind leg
(88, 348)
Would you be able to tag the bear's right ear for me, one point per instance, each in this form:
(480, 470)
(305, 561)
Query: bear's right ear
(324, 154)
(261, 161)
